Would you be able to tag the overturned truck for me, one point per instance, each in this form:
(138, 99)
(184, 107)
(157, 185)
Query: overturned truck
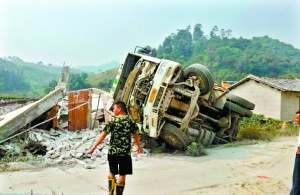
(179, 105)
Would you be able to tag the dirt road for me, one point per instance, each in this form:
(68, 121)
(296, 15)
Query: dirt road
(263, 168)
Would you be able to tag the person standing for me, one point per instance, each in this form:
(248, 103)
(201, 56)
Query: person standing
(296, 173)
(121, 127)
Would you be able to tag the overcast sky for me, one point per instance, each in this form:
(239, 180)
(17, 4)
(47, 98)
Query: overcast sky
(92, 32)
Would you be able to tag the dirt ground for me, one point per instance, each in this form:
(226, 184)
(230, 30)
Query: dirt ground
(258, 168)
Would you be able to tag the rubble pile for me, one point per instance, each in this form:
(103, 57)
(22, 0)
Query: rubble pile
(72, 147)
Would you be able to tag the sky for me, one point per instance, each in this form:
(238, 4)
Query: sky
(94, 32)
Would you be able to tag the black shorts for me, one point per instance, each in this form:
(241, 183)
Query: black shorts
(121, 165)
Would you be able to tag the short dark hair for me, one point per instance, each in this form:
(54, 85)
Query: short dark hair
(122, 105)
(298, 112)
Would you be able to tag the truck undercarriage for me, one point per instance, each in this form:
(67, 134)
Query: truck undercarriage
(180, 105)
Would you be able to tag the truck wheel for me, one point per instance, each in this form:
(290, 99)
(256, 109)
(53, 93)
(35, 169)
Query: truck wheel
(207, 82)
(240, 101)
(174, 136)
(238, 109)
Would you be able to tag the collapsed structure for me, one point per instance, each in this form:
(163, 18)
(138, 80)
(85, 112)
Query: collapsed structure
(74, 110)
(49, 126)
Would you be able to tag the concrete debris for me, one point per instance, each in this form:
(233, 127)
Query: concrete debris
(71, 147)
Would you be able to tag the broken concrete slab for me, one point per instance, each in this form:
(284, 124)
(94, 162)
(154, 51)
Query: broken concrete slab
(14, 121)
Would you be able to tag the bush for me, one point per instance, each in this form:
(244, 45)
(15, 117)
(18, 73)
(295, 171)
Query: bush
(196, 149)
(259, 127)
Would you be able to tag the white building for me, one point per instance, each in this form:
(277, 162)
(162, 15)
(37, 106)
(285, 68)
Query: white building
(274, 98)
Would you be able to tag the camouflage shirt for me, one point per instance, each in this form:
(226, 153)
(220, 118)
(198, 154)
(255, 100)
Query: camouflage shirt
(121, 129)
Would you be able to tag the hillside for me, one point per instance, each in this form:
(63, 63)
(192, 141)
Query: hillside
(35, 79)
(231, 58)
(103, 80)
(25, 78)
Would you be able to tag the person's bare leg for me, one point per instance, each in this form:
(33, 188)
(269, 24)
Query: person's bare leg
(111, 176)
(121, 179)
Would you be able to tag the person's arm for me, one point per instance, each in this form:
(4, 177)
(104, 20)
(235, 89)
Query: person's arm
(98, 141)
(136, 138)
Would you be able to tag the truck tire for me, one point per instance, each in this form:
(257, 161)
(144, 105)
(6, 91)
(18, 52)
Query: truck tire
(233, 130)
(203, 73)
(240, 101)
(238, 109)
(206, 137)
(174, 136)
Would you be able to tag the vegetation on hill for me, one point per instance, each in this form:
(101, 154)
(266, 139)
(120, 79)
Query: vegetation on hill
(11, 80)
(231, 58)
(24, 78)
(103, 80)
(78, 81)
(27, 79)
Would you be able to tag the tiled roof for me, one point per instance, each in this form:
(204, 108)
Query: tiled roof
(280, 84)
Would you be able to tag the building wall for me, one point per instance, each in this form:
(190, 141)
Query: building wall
(267, 100)
(289, 104)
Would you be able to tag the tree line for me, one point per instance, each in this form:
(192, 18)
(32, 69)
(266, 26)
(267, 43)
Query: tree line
(231, 58)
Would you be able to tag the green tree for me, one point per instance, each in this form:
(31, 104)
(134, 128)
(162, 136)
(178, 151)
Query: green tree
(51, 86)
(167, 46)
(214, 31)
(198, 33)
(78, 81)
(154, 52)
(228, 33)
(13, 81)
(183, 43)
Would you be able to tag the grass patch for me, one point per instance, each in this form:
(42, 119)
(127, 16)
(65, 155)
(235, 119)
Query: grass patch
(10, 96)
(244, 142)
(260, 128)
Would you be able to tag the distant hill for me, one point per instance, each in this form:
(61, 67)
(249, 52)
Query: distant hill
(98, 69)
(29, 79)
(26, 78)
